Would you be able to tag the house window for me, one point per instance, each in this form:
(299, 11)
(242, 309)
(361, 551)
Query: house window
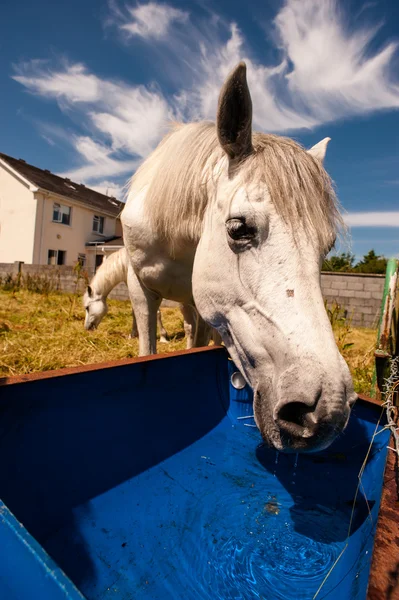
(61, 214)
(99, 260)
(98, 224)
(82, 259)
(56, 257)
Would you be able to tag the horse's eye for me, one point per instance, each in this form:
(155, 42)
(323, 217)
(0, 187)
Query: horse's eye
(238, 229)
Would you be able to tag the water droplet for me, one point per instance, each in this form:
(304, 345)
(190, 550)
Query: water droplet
(295, 466)
(276, 463)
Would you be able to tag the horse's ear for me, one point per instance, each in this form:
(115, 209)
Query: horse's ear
(234, 115)
(89, 291)
(319, 150)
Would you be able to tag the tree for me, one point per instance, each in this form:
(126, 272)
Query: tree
(339, 262)
(371, 263)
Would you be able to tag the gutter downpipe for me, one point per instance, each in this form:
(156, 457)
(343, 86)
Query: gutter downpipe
(44, 196)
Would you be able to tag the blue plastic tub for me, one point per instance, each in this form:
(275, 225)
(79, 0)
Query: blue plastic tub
(140, 481)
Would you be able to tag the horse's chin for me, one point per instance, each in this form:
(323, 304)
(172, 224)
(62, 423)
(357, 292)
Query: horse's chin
(298, 445)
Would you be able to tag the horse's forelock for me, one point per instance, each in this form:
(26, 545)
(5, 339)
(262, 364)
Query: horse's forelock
(299, 186)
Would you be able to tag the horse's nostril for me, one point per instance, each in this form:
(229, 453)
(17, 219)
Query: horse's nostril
(294, 412)
(297, 419)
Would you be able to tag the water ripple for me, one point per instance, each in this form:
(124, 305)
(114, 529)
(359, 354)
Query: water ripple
(264, 556)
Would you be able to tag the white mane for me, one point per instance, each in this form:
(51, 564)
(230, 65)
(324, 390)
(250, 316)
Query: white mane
(110, 273)
(180, 177)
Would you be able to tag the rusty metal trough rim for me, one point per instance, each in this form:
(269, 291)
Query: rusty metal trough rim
(384, 574)
(13, 379)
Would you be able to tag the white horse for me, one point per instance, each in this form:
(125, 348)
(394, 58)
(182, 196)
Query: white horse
(238, 224)
(111, 272)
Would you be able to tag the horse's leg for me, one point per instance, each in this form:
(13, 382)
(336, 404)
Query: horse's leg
(190, 322)
(163, 333)
(135, 332)
(146, 304)
(202, 333)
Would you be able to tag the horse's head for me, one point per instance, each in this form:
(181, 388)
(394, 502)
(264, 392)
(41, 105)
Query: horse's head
(95, 306)
(269, 223)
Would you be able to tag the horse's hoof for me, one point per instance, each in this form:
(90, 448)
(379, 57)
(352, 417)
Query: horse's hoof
(163, 340)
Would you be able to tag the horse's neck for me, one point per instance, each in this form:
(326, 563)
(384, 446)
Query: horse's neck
(112, 271)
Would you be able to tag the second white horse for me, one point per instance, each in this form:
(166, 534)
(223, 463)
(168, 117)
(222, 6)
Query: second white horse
(109, 274)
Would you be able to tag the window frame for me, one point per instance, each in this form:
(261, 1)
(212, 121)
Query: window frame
(101, 221)
(61, 213)
(56, 255)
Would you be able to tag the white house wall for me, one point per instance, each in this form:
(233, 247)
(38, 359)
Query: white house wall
(17, 219)
(71, 238)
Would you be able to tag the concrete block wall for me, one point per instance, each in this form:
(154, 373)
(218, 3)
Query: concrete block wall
(62, 278)
(120, 292)
(360, 295)
(8, 269)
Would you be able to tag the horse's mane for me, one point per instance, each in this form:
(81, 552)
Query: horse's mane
(112, 271)
(182, 171)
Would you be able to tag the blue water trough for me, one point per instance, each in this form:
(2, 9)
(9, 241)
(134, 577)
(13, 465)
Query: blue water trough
(148, 480)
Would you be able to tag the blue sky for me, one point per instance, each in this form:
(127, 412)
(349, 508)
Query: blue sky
(87, 87)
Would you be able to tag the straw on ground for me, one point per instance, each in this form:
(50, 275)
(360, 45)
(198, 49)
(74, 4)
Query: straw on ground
(41, 332)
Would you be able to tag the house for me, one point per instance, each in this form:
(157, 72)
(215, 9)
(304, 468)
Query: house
(47, 219)
(107, 247)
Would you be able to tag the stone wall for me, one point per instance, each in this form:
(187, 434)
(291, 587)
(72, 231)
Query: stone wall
(359, 295)
(61, 278)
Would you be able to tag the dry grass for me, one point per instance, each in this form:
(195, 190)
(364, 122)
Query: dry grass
(41, 332)
(45, 332)
(357, 347)
(360, 357)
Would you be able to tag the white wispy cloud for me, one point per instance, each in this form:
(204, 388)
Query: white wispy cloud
(372, 219)
(48, 139)
(152, 20)
(325, 71)
(271, 112)
(110, 188)
(134, 117)
(130, 119)
(98, 162)
(334, 71)
(71, 81)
